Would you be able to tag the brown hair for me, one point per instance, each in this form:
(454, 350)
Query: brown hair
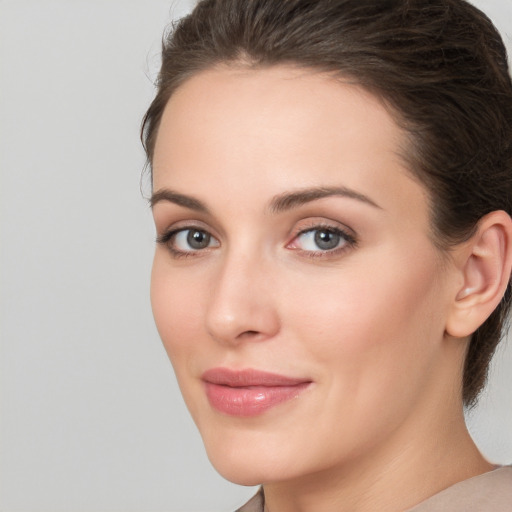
(441, 67)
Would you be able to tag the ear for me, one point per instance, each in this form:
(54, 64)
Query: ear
(485, 263)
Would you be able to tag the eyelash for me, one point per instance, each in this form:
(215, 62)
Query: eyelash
(167, 237)
(349, 239)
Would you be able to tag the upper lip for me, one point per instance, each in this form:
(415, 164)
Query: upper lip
(249, 377)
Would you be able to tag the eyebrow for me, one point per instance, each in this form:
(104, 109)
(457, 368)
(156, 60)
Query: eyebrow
(298, 198)
(180, 199)
(278, 204)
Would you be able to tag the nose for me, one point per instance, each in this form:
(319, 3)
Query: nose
(242, 306)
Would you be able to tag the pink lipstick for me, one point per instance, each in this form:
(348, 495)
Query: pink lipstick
(249, 392)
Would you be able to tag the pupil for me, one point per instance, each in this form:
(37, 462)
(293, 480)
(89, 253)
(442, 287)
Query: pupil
(198, 239)
(326, 239)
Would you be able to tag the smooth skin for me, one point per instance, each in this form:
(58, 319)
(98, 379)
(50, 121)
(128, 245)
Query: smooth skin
(293, 240)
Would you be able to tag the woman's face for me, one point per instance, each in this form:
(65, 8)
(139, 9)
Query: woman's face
(295, 285)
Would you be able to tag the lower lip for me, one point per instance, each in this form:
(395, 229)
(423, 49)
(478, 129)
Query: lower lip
(250, 400)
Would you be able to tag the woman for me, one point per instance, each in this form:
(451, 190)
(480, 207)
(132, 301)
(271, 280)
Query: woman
(332, 193)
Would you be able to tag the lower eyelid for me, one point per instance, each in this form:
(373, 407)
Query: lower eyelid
(334, 230)
(348, 240)
(168, 240)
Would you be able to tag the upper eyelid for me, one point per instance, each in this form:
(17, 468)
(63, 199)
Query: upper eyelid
(350, 242)
(299, 227)
(173, 230)
(334, 229)
(182, 225)
(175, 233)
(343, 232)
(167, 236)
(166, 224)
(323, 223)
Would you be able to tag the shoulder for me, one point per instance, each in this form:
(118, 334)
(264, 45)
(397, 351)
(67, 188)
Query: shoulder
(490, 492)
(255, 504)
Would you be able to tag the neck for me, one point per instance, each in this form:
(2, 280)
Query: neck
(424, 457)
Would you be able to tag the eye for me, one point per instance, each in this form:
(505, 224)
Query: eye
(192, 239)
(187, 240)
(322, 239)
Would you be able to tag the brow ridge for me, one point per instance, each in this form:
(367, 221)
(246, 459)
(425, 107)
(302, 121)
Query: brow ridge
(278, 204)
(291, 200)
(171, 196)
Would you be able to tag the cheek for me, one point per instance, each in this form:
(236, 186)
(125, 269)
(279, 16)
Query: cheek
(371, 324)
(176, 304)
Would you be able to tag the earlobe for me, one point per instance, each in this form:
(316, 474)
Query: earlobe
(485, 266)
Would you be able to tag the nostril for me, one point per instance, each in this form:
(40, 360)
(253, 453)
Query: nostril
(249, 335)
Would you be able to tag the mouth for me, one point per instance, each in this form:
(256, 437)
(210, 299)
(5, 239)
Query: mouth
(249, 392)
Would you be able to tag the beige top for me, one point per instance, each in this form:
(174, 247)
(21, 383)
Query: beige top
(490, 492)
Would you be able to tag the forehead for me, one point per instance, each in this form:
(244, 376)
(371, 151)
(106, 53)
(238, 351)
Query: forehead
(283, 101)
(276, 128)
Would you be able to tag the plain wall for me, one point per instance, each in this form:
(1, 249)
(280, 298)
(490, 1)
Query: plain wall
(91, 417)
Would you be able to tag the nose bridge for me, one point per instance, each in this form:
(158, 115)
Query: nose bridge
(240, 303)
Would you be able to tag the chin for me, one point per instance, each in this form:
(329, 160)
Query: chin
(245, 476)
(237, 467)
(248, 462)
(242, 472)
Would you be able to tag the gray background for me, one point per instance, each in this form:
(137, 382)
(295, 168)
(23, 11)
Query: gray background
(91, 418)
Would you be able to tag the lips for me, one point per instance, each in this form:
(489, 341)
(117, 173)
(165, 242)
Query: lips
(249, 392)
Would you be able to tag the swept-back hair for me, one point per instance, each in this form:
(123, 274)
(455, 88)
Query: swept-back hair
(439, 65)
